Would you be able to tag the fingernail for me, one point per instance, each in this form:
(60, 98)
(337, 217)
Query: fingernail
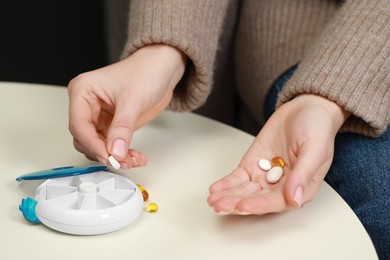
(222, 213)
(298, 196)
(244, 213)
(124, 166)
(135, 161)
(119, 148)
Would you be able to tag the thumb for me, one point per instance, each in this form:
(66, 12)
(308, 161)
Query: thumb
(306, 176)
(121, 130)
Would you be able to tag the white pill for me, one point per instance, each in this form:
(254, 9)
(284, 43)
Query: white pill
(264, 164)
(114, 162)
(274, 174)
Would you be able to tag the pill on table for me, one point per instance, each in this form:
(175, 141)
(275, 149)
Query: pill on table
(264, 164)
(114, 162)
(274, 174)
(277, 161)
(145, 194)
(152, 207)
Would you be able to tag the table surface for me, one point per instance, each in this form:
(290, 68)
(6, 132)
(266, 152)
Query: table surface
(186, 154)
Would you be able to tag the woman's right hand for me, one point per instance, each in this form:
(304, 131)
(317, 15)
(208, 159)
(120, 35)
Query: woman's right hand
(108, 104)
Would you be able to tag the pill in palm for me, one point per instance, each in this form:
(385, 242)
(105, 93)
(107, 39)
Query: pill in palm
(274, 174)
(277, 161)
(264, 164)
(114, 162)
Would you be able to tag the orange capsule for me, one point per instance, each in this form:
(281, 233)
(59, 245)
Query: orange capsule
(145, 194)
(277, 161)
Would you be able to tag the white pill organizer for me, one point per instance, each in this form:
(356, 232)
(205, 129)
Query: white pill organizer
(82, 200)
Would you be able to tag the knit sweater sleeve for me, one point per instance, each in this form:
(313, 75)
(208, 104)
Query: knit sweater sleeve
(350, 65)
(191, 26)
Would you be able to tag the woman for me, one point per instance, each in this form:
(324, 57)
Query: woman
(331, 117)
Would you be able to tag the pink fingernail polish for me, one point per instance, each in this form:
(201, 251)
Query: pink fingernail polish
(119, 148)
(298, 196)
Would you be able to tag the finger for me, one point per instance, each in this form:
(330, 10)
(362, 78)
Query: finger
(133, 159)
(260, 203)
(121, 130)
(84, 131)
(226, 205)
(244, 189)
(79, 147)
(238, 176)
(307, 174)
(139, 159)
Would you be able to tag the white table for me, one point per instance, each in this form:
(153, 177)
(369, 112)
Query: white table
(186, 154)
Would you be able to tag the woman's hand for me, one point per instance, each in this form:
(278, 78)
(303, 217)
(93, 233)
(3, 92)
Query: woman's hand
(108, 104)
(302, 132)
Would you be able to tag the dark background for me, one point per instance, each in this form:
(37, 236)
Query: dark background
(50, 42)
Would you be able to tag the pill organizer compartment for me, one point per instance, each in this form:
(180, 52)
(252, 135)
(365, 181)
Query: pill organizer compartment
(88, 204)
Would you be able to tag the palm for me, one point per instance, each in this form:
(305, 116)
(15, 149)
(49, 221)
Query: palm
(303, 138)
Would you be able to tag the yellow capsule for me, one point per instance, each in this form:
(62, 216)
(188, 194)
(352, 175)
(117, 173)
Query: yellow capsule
(277, 161)
(145, 194)
(152, 207)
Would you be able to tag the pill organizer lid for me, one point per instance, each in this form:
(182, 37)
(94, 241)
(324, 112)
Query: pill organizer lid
(60, 172)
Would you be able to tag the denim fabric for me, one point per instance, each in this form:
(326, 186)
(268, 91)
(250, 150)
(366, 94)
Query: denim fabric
(360, 173)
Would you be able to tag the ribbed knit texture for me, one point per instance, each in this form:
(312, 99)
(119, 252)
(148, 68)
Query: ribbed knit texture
(191, 26)
(350, 65)
(272, 36)
(342, 47)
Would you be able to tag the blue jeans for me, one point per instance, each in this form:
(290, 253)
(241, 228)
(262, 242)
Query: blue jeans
(360, 173)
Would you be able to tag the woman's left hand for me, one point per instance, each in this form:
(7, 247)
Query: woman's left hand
(302, 132)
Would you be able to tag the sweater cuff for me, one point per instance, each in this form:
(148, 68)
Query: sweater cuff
(350, 64)
(172, 23)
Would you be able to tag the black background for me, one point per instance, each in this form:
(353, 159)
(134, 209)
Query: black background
(50, 42)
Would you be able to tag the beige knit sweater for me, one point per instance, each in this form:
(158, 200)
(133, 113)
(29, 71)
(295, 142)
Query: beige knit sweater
(342, 47)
